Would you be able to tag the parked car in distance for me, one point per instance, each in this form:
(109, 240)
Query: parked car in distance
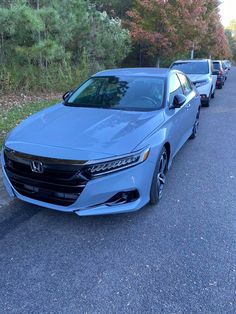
(219, 69)
(226, 68)
(107, 147)
(228, 64)
(200, 73)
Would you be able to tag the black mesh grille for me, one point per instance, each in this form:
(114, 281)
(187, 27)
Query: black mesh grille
(59, 184)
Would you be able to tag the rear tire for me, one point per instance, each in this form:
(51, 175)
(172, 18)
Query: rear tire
(159, 177)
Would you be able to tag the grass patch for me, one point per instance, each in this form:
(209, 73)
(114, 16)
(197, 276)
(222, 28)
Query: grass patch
(10, 118)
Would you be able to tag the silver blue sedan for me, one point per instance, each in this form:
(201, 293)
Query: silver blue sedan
(107, 147)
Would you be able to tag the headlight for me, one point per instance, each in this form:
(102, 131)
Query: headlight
(201, 83)
(108, 166)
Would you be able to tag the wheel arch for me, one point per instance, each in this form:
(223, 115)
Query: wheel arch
(168, 150)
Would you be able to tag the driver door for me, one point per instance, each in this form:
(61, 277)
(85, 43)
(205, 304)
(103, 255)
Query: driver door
(177, 116)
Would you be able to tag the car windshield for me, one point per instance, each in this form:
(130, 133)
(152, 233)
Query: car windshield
(123, 93)
(192, 67)
(216, 65)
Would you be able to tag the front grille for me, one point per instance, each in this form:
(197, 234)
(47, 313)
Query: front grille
(59, 184)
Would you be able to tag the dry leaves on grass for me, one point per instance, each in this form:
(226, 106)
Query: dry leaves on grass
(15, 108)
(10, 101)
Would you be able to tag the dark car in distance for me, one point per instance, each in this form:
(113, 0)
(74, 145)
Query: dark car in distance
(221, 72)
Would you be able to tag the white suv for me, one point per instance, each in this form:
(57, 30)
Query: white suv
(200, 72)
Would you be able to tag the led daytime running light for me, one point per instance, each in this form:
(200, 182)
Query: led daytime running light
(114, 165)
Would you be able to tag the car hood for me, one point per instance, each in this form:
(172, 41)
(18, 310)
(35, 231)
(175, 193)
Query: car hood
(82, 133)
(198, 77)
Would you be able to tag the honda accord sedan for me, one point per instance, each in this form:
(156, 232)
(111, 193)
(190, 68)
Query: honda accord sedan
(107, 147)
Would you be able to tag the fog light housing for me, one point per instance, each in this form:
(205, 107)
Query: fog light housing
(123, 198)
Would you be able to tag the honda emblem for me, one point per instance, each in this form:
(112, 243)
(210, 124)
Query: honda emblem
(36, 167)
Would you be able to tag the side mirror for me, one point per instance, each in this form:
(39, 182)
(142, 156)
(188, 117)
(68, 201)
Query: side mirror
(67, 95)
(215, 72)
(179, 100)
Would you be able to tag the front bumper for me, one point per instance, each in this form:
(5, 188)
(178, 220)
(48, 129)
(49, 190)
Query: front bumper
(93, 199)
(204, 92)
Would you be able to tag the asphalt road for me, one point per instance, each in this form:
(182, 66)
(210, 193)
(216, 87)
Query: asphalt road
(178, 257)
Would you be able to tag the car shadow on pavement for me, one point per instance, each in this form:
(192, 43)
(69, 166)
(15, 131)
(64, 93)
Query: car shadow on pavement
(18, 213)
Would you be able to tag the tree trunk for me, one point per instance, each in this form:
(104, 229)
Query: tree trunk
(192, 52)
(1, 50)
(140, 54)
(39, 38)
(158, 62)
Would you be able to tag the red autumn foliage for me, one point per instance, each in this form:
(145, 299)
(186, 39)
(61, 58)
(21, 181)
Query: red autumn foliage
(168, 27)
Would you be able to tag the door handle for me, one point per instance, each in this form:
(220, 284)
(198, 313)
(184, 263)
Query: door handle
(188, 105)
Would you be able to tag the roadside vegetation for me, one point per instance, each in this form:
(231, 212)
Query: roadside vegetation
(230, 33)
(54, 45)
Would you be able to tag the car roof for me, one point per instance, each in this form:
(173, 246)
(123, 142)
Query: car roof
(158, 72)
(191, 60)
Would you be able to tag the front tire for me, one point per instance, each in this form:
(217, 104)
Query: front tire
(195, 126)
(206, 103)
(159, 177)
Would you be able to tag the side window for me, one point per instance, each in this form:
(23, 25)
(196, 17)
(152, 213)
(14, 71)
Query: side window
(174, 87)
(187, 88)
(212, 67)
(216, 66)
